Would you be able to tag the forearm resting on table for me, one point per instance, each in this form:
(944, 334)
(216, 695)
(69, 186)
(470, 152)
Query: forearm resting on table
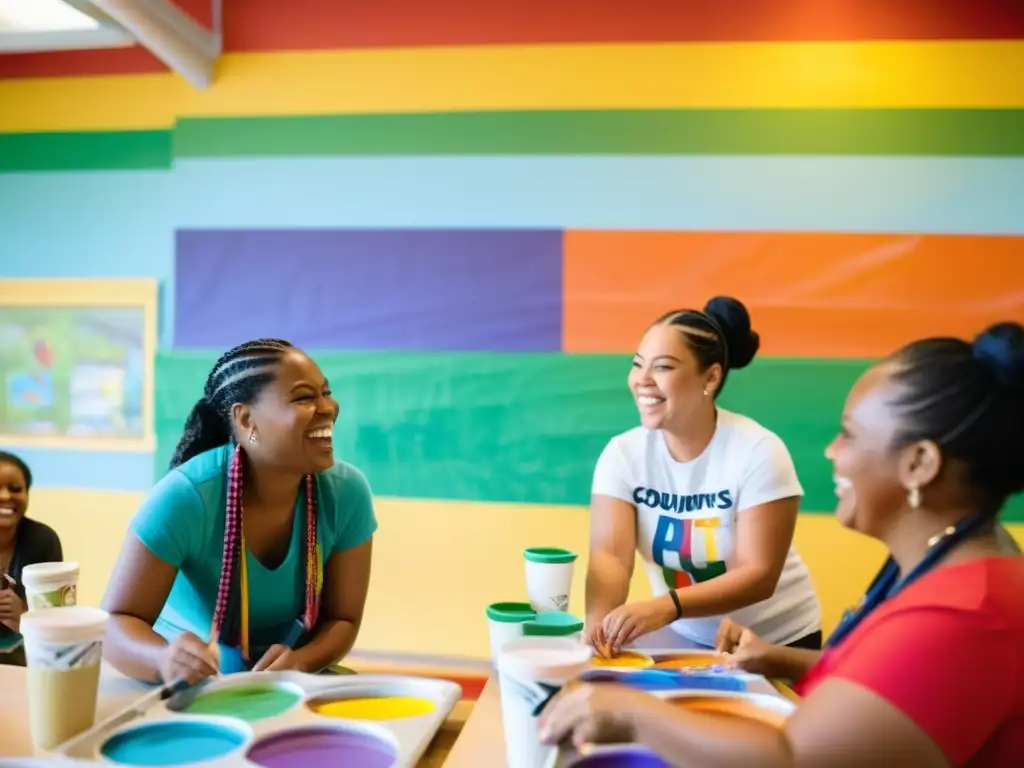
(790, 663)
(727, 593)
(134, 648)
(607, 583)
(332, 642)
(697, 741)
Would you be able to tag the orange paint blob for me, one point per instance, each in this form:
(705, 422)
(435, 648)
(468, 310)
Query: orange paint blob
(625, 659)
(729, 707)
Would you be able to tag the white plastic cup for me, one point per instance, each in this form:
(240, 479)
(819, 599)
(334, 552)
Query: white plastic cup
(50, 585)
(522, 664)
(64, 649)
(505, 623)
(549, 577)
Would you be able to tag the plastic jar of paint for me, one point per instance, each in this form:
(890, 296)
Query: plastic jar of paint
(505, 623)
(554, 624)
(50, 585)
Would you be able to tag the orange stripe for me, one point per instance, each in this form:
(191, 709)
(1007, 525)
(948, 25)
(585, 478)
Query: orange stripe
(810, 295)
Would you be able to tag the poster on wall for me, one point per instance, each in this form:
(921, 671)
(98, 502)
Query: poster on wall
(75, 358)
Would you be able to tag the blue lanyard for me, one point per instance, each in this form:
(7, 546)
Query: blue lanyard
(887, 583)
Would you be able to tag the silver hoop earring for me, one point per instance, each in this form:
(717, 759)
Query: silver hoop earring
(914, 497)
(252, 436)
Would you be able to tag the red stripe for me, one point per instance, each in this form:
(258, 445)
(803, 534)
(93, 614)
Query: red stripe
(270, 25)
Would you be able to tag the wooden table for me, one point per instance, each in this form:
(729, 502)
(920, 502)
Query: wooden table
(118, 692)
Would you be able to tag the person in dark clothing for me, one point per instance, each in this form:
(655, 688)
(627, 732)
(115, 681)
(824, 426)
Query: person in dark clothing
(22, 542)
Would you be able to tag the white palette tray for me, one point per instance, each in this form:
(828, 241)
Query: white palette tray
(399, 742)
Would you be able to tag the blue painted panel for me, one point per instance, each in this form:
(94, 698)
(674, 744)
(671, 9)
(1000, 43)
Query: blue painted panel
(846, 194)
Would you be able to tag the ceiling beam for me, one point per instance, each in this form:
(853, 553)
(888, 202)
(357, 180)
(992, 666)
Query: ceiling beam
(170, 34)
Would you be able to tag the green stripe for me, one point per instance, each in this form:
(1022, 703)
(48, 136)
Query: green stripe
(520, 427)
(630, 132)
(106, 151)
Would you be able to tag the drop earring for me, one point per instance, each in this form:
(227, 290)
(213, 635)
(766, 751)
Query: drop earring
(252, 436)
(914, 497)
(705, 391)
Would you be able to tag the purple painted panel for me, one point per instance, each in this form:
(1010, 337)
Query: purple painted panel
(370, 289)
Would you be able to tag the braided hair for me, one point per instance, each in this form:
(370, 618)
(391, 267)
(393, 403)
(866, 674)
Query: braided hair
(239, 376)
(721, 334)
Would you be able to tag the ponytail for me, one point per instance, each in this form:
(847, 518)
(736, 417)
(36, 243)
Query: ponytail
(204, 430)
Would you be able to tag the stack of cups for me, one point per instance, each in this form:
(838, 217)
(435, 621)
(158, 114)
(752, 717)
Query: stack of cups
(522, 665)
(50, 585)
(548, 585)
(63, 648)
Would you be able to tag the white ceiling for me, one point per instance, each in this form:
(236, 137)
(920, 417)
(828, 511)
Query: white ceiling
(53, 25)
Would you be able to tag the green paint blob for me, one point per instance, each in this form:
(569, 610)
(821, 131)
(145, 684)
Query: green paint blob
(246, 702)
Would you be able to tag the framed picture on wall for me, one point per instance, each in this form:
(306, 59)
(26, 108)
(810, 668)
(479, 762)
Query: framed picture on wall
(76, 363)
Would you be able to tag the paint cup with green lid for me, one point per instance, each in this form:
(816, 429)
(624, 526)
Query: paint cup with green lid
(554, 624)
(505, 623)
(549, 577)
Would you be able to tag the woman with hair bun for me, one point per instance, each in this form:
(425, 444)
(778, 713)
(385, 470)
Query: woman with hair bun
(254, 551)
(707, 497)
(928, 670)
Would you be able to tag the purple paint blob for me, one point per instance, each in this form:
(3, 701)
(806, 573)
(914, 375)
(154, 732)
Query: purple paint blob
(322, 746)
(627, 757)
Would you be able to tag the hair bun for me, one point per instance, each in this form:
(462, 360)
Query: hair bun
(734, 320)
(1000, 348)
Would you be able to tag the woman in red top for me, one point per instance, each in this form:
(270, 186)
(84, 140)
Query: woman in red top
(929, 669)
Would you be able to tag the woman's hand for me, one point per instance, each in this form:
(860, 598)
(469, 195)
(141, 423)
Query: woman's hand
(745, 650)
(628, 622)
(593, 634)
(188, 658)
(277, 658)
(592, 714)
(11, 606)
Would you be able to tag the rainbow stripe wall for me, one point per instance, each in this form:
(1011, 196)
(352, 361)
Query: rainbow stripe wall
(470, 213)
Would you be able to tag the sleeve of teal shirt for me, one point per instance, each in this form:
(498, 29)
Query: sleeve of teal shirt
(169, 522)
(354, 518)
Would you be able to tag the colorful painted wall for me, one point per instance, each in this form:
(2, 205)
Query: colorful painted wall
(469, 214)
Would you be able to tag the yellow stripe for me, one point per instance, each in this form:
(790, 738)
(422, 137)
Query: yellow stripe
(608, 76)
(710, 543)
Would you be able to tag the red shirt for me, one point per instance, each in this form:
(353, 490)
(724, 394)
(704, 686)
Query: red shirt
(947, 651)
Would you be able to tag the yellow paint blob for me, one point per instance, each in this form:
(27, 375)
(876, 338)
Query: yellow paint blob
(685, 661)
(624, 659)
(374, 708)
(728, 707)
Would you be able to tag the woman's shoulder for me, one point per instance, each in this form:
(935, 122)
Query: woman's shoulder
(346, 502)
(344, 480)
(34, 534)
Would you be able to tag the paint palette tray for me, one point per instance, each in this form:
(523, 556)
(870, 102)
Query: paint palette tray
(770, 709)
(674, 669)
(278, 720)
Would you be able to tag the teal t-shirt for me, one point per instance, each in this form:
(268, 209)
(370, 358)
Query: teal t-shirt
(182, 522)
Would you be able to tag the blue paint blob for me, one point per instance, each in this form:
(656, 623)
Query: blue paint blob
(172, 743)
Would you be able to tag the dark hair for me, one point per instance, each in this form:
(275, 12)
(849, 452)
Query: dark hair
(720, 334)
(10, 458)
(968, 398)
(238, 376)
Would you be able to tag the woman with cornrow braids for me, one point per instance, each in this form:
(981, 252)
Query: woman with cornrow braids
(253, 552)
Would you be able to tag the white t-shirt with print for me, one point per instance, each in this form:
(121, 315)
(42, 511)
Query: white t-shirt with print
(686, 517)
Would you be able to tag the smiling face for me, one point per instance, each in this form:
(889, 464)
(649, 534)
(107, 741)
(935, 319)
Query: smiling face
(666, 380)
(293, 418)
(13, 495)
(872, 476)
